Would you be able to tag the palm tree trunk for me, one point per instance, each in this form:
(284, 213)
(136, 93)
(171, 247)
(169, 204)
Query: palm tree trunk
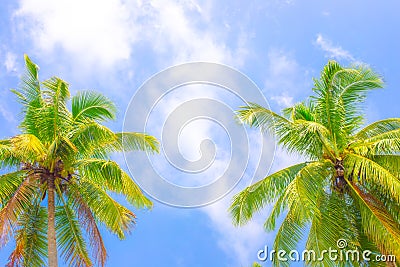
(51, 230)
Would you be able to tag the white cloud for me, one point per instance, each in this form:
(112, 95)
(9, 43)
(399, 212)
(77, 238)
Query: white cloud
(173, 29)
(240, 243)
(96, 32)
(285, 78)
(282, 71)
(106, 32)
(332, 51)
(10, 62)
(6, 114)
(283, 100)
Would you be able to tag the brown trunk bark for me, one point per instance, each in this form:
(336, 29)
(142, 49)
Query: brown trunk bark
(51, 227)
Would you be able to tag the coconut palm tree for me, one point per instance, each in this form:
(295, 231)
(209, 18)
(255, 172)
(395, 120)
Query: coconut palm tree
(59, 174)
(349, 186)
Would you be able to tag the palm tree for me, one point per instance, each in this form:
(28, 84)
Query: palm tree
(63, 157)
(349, 187)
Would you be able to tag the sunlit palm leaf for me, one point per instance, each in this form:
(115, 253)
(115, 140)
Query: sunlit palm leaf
(31, 239)
(92, 105)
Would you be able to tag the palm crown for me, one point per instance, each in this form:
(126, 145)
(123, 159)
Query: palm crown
(350, 187)
(63, 156)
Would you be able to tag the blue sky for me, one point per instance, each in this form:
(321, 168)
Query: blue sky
(115, 46)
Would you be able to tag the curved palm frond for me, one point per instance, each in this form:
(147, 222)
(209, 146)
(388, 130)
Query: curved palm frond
(300, 111)
(367, 171)
(337, 220)
(378, 127)
(256, 196)
(18, 202)
(31, 238)
(70, 237)
(28, 147)
(92, 105)
(108, 175)
(9, 183)
(90, 138)
(260, 117)
(377, 223)
(106, 210)
(291, 134)
(389, 162)
(289, 234)
(132, 141)
(30, 96)
(88, 222)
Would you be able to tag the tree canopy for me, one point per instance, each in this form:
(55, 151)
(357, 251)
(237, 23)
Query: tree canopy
(59, 175)
(349, 187)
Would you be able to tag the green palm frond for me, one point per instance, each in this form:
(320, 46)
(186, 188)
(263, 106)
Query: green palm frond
(389, 162)
(8, 156)
(108, 175)
(132, 193)
(106, 210)
(92, 105)
(304, 192)
(256, 196)
(316, 134)
(378, 127)
(31, 239)
(279, 207)
(28, 147)
(300, 111)
(291, 134)
(88, 222)
(260, 117)
(355, 84)
(18, 202)
(57, 91)
(105, 173)
(126, 141)
(339, 94)
(337, 220)
(289, 234)
(90, 138)
(383, 143)
(367, 171)
(131, 141)
(29, 90)
(377, 223)
(30, 96)
(9, 183)
(70, 237)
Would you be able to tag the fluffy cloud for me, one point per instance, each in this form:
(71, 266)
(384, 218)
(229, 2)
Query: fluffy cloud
(240, 243)
(95, 32)
(10, 62)
(106, 32)
(283, 100)
(332, 51)
(8, 116)
(285, 78)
